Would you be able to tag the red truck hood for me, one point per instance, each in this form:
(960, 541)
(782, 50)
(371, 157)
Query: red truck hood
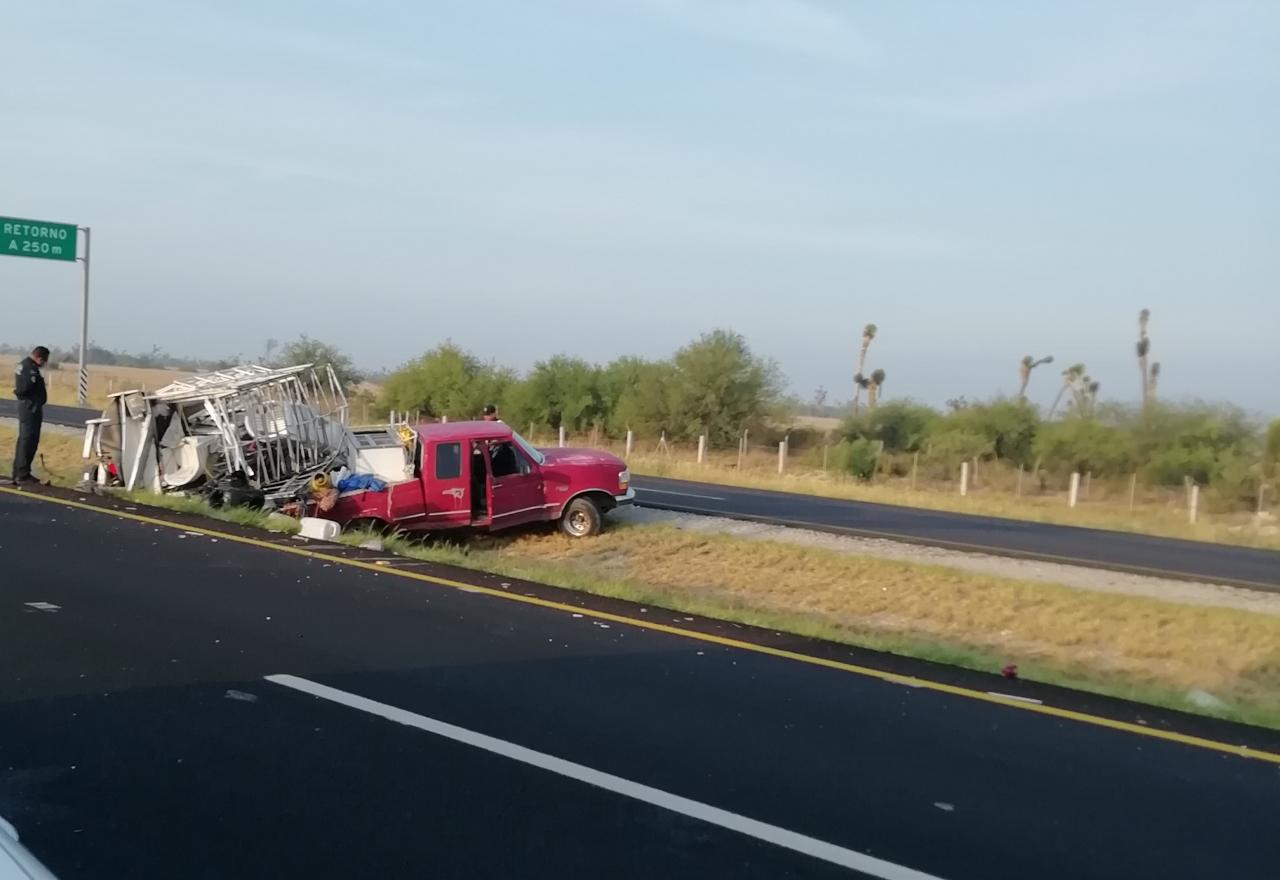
(579, 457)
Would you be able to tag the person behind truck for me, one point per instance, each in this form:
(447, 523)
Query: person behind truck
(490, 413)
(28, 388)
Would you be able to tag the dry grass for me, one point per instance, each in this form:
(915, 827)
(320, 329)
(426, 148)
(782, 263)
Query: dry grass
(1148, 517)
(819, 423)
(104, 381)
(1132, 646)
(58, 458)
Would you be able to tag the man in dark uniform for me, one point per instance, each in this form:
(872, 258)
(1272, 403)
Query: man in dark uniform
(28, 387)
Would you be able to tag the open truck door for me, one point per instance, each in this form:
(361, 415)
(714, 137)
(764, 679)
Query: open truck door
(515, 487)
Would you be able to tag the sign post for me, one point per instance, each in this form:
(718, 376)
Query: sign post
(42, 240)
(82, 381)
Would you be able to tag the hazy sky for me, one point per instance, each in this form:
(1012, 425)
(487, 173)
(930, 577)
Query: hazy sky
(981, 180)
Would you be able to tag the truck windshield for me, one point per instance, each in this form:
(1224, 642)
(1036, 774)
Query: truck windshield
(528, 448)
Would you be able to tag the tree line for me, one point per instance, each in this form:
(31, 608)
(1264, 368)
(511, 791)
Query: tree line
(1216, 445)
(714, 386)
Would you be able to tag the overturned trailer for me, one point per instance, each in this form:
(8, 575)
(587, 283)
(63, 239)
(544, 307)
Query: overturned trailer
(250, 430)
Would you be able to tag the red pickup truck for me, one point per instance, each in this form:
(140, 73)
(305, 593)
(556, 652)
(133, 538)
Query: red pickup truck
(478, 475)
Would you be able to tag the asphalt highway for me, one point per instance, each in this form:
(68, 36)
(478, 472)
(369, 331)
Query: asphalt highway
(68, 416)
(179, 700)
(1120, 551)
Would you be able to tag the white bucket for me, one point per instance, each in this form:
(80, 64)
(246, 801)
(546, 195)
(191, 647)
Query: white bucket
(319, 529)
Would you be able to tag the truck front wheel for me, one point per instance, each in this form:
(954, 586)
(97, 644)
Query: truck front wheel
(581, 519)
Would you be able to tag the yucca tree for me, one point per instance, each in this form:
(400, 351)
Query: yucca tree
(1084, 392)
(1072, 376)
(1154, 375)
(859, 378)
(1144, 347)
(1028, 364)
(1089, 397)
(873, 388)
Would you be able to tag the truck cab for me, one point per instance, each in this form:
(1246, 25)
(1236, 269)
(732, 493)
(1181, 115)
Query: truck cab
(480, 475)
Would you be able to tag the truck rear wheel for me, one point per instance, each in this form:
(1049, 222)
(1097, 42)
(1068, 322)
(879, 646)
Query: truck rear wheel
(581, 519)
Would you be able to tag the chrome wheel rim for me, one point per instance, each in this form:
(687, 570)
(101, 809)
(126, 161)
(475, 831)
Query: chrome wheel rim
(579, 522)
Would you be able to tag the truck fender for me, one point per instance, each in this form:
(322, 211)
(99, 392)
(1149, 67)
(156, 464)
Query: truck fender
(603, 500)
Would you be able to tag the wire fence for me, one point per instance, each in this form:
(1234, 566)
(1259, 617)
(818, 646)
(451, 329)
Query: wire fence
(980, 485)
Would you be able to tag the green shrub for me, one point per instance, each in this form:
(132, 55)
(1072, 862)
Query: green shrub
(902, 425)
(1010, 426)
(856, 458)
(1084, 446)
(951, 447)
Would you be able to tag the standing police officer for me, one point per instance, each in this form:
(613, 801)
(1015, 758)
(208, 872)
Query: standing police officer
(28, 387)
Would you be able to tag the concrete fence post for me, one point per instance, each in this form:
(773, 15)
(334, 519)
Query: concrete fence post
(1074, 495)
(915, 466)
(782, 456)
(1133, 490)
(562, 436)
(702, 448)
(964, 478)
(826, 450)
(1194, 506)
(630, 440)
(1018, 488)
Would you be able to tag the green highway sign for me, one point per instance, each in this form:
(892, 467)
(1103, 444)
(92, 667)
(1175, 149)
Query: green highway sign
(36, 238)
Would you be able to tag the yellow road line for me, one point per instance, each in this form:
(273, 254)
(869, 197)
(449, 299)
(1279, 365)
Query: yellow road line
(724, 641)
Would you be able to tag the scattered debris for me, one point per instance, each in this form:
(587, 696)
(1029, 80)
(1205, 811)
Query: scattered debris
(241, 696)
(1010, 671)
(1015, 697)
(47, 607)
(1204, 700)
(371, 544)
(945, 807)
(319, 529)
